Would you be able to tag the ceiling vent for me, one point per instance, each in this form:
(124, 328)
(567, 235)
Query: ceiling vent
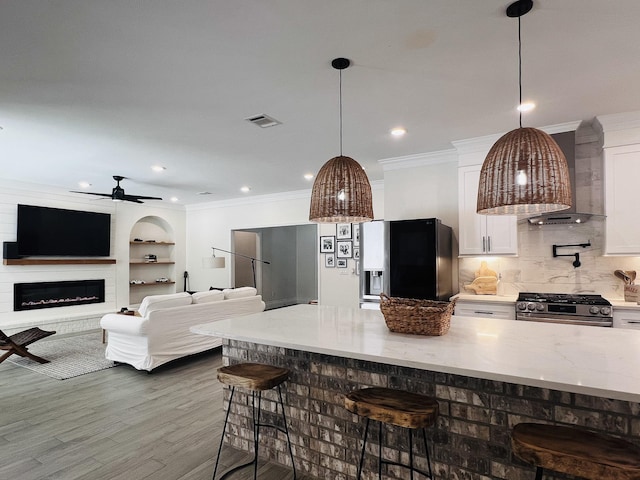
(263, 121)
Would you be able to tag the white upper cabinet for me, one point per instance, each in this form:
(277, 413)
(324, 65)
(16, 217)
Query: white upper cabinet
(621, 147)
(482, 234)
(622, 177)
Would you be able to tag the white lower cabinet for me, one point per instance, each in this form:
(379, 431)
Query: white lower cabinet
(626, 317)
(503, 310)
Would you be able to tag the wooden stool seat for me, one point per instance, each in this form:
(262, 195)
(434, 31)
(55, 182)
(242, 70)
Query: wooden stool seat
(395, 407)
(576, 451)
(253, 376)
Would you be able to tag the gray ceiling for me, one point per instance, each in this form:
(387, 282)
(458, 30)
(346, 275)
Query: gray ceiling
(94, 88)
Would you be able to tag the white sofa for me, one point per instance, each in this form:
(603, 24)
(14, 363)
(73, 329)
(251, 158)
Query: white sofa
(160, 331)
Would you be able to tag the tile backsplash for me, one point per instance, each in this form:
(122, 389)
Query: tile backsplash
(536, 270)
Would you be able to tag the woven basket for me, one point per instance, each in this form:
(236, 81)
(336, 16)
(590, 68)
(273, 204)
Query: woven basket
(417, 317)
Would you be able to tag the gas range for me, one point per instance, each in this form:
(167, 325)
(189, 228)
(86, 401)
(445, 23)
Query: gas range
(574, 309)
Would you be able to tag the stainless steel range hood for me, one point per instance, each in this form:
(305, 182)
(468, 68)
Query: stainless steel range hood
(560, 218)
(574, 215)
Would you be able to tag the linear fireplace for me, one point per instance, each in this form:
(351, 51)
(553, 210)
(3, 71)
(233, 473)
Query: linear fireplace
(31, 296)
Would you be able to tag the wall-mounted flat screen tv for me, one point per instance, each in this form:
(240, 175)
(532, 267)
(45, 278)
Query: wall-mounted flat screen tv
(44, 231)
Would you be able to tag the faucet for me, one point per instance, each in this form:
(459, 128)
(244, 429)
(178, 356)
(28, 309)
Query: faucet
(576, 263)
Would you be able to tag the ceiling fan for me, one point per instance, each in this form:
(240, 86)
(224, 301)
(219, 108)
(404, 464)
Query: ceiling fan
(118, 195)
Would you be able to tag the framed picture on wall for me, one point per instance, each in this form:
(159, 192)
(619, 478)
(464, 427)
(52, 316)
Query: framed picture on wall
(328, 244)
(344, 249)
(356, 235)
(357, 267)
(356, 252)
(343, 231)
(329, 260)
(342, 263)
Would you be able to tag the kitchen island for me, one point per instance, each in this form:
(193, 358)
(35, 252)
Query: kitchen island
(487, 375)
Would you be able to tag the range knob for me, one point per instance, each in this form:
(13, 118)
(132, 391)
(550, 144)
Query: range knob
(594, 310)
(531, 306)
(539, 307)
(522, 305)
(605, 311)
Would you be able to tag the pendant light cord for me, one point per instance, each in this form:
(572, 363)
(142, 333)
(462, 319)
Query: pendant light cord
(340, 90)
(520, 71)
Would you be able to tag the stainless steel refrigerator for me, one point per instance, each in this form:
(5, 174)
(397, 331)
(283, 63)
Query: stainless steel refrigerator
(405, 258)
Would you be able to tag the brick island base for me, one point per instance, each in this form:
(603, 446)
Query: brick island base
(471, 440)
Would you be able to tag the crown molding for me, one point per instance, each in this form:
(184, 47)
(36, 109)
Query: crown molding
(619, 121)
(620, 129)
(419, 160)
(268, 198)
(483, 144)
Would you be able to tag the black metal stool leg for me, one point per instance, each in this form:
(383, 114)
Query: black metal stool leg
(256, 431)
(410, 452)
(286, 431)
(379, 450)
(364, 445)
(539, 471)
(226, 417)
(426, 449)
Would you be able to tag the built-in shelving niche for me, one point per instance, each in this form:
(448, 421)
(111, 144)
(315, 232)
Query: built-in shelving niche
(151, 236)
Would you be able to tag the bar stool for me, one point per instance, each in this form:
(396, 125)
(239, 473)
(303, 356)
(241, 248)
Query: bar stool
(257, 378)
(575, 451)
(395, 407)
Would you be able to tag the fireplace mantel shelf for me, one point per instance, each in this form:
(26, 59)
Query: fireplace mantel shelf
(58, 261)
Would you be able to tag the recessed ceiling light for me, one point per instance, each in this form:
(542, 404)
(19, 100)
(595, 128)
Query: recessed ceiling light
(526, 106)
(84, 184)
(174, 199)
(398, 131)
(245, 189)
(158, 168)
(308, 176)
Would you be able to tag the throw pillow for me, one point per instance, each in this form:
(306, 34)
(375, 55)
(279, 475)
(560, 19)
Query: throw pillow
(240, 292)
(208, 296)
(156, 302)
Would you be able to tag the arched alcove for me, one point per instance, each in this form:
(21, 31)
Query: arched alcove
(151, 258)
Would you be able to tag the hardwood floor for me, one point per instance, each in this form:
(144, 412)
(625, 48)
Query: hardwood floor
(118, 424)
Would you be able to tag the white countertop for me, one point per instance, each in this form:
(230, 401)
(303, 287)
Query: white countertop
(615, 302)
(486, 298)
(604, 362)
(620, 304)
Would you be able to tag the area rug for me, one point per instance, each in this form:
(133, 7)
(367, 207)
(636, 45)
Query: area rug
(69, 356)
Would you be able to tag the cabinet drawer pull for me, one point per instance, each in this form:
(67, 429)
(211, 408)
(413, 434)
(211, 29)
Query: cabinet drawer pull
(633, 321)
(484, 313)
(484, 244)
(488, 244)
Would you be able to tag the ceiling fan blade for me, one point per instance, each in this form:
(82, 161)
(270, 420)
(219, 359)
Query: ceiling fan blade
(108, 195)
(117, 194)
(143, 197)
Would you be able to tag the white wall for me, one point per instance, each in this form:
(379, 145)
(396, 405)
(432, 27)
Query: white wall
(209, 225)
(423, 191)
(116, 276)
(424, 186)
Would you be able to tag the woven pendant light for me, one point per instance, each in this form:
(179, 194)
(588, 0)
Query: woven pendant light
(525, 172)
(341, 191)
